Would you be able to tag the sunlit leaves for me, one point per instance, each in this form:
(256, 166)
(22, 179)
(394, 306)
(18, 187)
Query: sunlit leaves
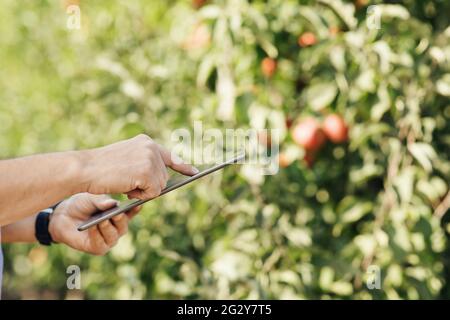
(424, 154)
(303, 233)
(443, 85)
(320, 95)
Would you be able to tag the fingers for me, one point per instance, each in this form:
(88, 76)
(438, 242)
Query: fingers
(105, 235)
(133, 212)
(120, 222)
(109, 232)
(163, 176)
(153, 177)
(173, 161)
(145, 194)
(98, 243)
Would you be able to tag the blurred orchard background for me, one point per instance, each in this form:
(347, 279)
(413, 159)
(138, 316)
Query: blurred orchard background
(364, 116)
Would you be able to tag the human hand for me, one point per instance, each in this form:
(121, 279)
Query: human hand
(136, 167)
(96, 240)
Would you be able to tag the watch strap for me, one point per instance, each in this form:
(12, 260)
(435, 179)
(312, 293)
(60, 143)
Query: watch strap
(41, 227)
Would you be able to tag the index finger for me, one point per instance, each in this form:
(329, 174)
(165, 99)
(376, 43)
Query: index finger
(176, 163)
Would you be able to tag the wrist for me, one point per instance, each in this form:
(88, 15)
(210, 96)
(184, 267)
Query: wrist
(82, 177)
(53, 228)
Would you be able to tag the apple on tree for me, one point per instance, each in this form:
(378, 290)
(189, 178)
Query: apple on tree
(268, 67)
(335, 128)
(308, 134)
(307, 39)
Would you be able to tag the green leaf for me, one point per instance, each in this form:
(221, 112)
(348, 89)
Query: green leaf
(345, 11)
(366, 81)
(393, 11)
(361, 175)
(267, 46)
(337, 57)
(433, 189)
(320, 96)
(342, 288)
(443, 85)
(205, 69)
(210, 12)
(363, 132)
(299, 237)
(326, 277)
(314, 19)
(356, 212)
(404, 183)
(366, 243)
(424, 154)
(383, 104)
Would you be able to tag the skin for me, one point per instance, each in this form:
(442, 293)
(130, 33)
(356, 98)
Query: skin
(67, 216)
(136, 167)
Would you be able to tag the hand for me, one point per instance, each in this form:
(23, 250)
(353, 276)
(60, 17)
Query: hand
(96, 240)
(136, 167)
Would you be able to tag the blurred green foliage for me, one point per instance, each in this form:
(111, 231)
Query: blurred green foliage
(153, 66)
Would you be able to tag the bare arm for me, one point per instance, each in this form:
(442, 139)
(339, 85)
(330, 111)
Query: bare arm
(136, 167)
(20, 231)
(33, 183)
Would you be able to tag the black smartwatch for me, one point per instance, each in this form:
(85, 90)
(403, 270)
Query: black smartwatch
(41, 227)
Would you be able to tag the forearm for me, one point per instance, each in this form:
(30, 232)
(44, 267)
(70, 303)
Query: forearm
(33, 183)
(20, 231)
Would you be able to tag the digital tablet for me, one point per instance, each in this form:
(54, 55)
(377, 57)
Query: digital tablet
(172, 184)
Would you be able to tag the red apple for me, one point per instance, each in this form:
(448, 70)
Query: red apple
(307, 39)
(268, 67)
(308, 134)
(335, 128)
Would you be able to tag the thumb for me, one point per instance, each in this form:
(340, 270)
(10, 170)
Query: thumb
(103, 203)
